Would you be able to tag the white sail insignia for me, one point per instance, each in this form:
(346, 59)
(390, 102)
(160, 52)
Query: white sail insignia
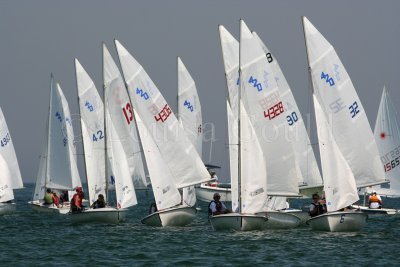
(179, 153)
(339, 100)
(387, 136)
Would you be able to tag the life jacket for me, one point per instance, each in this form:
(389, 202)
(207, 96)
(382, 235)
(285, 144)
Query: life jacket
(320, 209)
(74, 200)
(209, 209)
(374, 198)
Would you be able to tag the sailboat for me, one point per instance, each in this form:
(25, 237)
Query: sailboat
(255, 62)
(349, 154)
(387, 137)
(57, 166)
(96, 133)
(10, 175)
(165, 146)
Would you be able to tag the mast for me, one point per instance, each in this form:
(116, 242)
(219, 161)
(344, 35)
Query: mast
(239, 128)
(48, 130)
(105, 131)
(83, 145)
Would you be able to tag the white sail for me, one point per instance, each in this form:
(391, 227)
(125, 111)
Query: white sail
(253, 176)
(61, 170)
(124, 188)
(264, 105)
(339, 99)
(387, 136)
(121, 112)
(230, 54)
(297, 133)
(8, 153)
(40, 186)
(339, 182)
(92, 124)
(165, 191)
(233, 147)
(6, 190)
(189, 108)
(178, 152)
(189, 113)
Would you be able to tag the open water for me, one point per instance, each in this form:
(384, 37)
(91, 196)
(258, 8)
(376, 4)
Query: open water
(28, 238)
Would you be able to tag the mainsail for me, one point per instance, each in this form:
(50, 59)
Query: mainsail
(265, 107)
(387, 136)
(178, 152)
(340, 103)
(121, 132)
(92, 124)
(297, 133)
(61, 169)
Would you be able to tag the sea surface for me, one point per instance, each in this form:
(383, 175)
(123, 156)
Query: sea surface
(29, 238)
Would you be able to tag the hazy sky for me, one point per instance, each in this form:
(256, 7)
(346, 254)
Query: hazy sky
(40, 37)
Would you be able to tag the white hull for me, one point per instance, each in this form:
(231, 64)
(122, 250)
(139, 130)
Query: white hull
(339, 221)
(280, 220)
(7, 208)
(104, 215)
(303, 215)
(375, 212)
(180, 216)
(40, 207)
(237, 222)
(206, 193)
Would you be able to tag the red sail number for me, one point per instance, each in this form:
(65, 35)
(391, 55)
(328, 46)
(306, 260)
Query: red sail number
(163, 114)
(274, 111)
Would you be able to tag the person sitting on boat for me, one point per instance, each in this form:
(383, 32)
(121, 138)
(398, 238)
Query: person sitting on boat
(56, 199)
(48, 197)
(76, 201)
(216, 207)
(318, 206)
(375, 201)
(64, 196)
(99, 203)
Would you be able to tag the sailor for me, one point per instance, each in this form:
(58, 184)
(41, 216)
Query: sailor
(76, 201)
(375, 201)
(48, 197)
(317, 207)
(99, 203)
(216, 207)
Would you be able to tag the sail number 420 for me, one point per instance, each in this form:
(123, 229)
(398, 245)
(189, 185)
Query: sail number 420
(5, 140)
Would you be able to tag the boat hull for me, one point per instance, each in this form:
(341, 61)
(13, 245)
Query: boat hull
(104, 215)
(179, 216)
(375, 212)
(7, 208)
(40, 207)
(280, 220)
(303, 215)
(206, 193)
(237, 222)
(340, 221)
